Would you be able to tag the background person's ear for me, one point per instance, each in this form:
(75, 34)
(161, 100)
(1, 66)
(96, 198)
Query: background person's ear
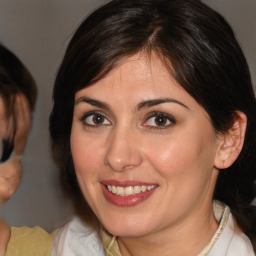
(231, 142)
(23, 123)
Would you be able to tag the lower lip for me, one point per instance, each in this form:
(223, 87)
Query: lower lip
(125, 201)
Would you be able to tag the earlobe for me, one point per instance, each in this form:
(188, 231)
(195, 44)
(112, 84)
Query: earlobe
(231, 143)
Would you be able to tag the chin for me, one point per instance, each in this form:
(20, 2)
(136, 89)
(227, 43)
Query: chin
(127, 229)
(127, 233)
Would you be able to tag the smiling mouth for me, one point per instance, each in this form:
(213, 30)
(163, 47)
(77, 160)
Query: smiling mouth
(129, 190)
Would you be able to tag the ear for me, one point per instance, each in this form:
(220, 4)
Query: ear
(23, 122)
(231, 143)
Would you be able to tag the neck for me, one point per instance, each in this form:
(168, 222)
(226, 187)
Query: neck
(188, 237)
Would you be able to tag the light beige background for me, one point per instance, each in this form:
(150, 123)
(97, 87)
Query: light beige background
(38, 32)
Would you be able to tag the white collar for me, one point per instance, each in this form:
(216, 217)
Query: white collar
(78, 239)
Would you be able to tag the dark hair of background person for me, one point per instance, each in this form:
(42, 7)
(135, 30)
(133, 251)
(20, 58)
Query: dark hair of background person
(14, 79)
(199, 50)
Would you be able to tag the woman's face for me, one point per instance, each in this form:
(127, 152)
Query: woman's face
(143, 149)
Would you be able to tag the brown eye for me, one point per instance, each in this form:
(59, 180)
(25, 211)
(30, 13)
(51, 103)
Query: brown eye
(160, 121)
(95, 119)
(98, 119)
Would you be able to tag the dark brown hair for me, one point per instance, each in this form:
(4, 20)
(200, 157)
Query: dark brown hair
(201, 52)
(14, 79)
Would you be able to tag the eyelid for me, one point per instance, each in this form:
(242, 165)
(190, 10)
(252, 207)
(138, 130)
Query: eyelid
(160, 114)
(163, 114)
(91, 113)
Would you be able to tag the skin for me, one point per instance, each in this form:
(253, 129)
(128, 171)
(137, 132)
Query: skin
(11, 170)
(22, 115)
(179, 156)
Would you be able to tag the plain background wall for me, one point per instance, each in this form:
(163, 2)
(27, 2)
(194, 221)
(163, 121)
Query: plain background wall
(38, 31)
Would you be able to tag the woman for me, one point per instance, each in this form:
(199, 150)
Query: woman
(17, 101)
(158, 134)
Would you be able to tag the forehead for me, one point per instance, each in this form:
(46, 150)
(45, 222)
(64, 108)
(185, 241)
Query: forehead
(141, 73)
(139, 78)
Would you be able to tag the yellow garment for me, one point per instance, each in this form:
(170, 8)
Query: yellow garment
(110, 244)
(30, 242)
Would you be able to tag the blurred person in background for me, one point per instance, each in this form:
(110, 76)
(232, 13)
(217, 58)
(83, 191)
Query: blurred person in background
(17, 102)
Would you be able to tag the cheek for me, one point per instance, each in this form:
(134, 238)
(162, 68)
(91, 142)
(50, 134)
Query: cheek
(83, 154)
(185, 171)
(182, 155)
(169, 156)
(84, 163)
(86, 166)
(88, 155)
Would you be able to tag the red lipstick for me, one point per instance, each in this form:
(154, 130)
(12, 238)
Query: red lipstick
(127, 193)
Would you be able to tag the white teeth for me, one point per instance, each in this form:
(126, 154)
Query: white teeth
(150, 187)
(113, 189)
(137, 189)
(120, 191)
(130, 190)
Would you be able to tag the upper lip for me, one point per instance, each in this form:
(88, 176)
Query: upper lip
(126, 183)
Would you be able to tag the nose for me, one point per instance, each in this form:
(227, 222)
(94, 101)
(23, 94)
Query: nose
(123, 151)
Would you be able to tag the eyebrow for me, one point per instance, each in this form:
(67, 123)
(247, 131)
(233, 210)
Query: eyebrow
(93, 102)
(154, 102)
(141, 105)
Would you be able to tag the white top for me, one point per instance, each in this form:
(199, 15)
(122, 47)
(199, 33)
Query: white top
(78, 239)
(232, 242)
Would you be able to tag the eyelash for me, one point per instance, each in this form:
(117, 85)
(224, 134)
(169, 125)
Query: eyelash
(93, 114)
(163, 116)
